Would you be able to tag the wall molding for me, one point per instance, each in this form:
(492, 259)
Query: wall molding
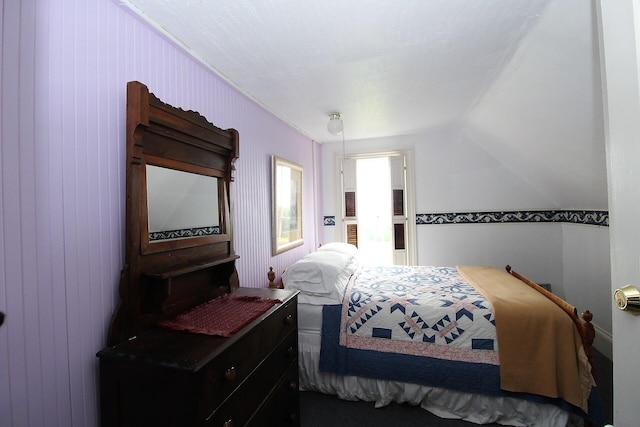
(586, 217)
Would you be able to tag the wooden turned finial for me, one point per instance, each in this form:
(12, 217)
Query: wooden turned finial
(588, 336)
(271, 275)
(589, 332)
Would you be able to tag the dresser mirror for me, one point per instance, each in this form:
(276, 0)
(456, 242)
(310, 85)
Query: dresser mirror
(181, 204)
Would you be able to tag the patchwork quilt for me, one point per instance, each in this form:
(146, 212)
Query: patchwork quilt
(422, 325)
(423, 311)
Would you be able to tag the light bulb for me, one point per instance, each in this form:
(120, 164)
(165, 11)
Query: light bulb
(335, 124)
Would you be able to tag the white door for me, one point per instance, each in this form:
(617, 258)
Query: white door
(378, 214)
(621, 89)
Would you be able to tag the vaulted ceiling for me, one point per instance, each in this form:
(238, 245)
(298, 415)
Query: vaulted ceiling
(520, 78)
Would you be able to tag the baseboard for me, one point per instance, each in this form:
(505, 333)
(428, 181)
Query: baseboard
(603, 342)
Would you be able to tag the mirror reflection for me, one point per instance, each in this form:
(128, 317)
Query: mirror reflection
(181, 204)
(287, 205)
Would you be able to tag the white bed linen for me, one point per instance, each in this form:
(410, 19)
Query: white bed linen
(444, 403)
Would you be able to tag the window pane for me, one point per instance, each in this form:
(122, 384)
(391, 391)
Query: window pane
(373, 197)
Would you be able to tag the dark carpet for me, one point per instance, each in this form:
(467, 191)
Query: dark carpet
(319, 410)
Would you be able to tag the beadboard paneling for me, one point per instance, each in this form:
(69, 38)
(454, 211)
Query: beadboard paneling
(65, 65)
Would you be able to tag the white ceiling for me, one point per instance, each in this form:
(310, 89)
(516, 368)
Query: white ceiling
(518, 77)
(389, 67)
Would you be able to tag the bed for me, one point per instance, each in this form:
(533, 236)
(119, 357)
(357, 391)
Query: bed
(427, 336)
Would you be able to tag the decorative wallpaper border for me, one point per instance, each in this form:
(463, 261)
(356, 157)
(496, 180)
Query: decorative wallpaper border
(600, 218)
(329, 220)
(182, 233)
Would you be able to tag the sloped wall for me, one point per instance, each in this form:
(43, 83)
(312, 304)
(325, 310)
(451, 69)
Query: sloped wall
(543, 116)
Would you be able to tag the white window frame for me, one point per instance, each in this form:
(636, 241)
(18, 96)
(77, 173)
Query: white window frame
(410, 214)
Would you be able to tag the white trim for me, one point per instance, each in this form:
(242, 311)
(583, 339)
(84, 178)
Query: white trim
(316, 194)
(603, 342)
(412, 233)
(339, 193)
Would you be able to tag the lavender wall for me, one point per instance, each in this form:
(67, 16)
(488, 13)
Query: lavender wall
(65, 65)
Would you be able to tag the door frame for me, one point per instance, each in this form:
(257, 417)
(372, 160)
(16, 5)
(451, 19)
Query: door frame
(619, 40)
(411, 231)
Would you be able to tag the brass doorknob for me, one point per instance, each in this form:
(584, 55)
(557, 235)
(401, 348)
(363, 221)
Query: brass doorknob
(627, 298)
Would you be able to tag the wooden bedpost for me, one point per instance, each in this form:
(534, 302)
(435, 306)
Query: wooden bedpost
(588, 334)
(271, 275)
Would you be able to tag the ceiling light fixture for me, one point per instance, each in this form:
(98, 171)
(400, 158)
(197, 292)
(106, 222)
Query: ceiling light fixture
(335, 124)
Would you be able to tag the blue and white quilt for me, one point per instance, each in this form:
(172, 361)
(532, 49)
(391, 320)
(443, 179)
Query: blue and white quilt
(421, 325)
(422, 311)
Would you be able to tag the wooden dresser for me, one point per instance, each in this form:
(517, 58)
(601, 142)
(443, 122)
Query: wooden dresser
(170, 378)
(180, 257)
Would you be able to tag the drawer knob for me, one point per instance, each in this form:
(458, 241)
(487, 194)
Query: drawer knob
(293, 386)
(288, 319)
(228, 424)
(230, 375)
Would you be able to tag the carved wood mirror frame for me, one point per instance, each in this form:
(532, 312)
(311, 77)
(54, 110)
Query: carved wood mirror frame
(161, 278)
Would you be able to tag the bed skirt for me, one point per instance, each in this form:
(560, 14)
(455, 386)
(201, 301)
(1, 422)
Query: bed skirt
(475, 408)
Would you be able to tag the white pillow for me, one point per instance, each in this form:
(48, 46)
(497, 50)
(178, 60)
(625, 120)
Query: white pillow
(322, 273)
(337, 292)
(330, 299)
(340, 247)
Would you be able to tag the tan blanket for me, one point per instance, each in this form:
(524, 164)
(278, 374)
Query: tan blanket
(539, 345)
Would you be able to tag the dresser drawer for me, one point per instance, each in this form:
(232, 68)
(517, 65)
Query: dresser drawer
(232, 368)
(279, 369)
(283, 407)
(171, 378)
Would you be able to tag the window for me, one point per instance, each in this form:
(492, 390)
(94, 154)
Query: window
(376, 212)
